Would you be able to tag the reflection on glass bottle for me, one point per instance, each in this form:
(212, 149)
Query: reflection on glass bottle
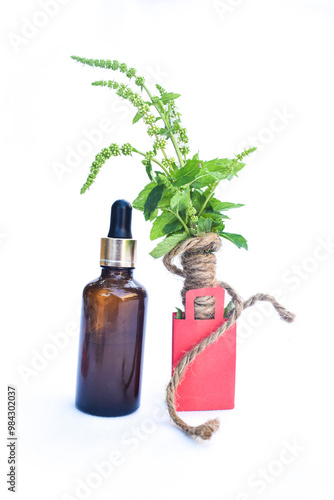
(112, 327)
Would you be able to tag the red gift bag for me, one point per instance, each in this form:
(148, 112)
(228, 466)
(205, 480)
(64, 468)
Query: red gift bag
(209, 382)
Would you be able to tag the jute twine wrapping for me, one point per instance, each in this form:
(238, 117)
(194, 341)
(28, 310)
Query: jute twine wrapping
(199, 271)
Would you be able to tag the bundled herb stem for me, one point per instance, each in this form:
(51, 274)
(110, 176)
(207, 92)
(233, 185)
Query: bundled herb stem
(179, 199)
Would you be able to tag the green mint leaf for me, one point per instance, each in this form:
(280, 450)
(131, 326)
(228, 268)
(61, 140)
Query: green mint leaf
(137, 117)
(204, 225)
(169, 96)
(161, 178)
(237, 239)
(227, 168)
(152, 200)
(154, 214)
(179, 313)
(197, 199)
(228, 308)
(172, 227)
(168, 244)
(179, 201)
(220, 164)
(236, 168)
(218, 227)
(149, 170)
(217, 216)
(187, 174)
(165, 200)
(216, 164)
(222, 206)
(164, 224)
(206, 178)
(139, 202)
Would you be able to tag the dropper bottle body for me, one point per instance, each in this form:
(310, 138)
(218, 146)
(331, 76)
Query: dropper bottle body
(112, 327)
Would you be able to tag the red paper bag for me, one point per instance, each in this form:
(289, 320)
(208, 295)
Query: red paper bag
(209, 382)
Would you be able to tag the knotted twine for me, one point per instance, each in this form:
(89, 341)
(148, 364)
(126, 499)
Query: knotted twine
(199, 270)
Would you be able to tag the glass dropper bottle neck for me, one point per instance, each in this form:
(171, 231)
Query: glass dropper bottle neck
(120, 272)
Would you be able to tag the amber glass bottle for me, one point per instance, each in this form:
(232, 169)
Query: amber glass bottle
(112, 326)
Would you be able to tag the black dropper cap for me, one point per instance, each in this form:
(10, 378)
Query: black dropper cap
(120, 220)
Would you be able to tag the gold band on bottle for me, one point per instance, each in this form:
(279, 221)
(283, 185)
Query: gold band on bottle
(118, 252)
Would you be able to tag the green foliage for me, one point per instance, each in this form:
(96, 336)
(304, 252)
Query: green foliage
(204, 224)
(179, 313)
(237, 239)
(101, 158)
(164, 224)
(228, 309)
(179, 199)
(187, 174)
(139, 202)
(169, 96)
(168, 244)
(137, 117)
(152, 201)
(218, 206)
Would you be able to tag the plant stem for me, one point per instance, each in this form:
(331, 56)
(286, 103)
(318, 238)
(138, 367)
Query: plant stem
(189, 202)
(167, 125)
(161, 149)
(177, 150)
(148, 93)
(175, 144)
(151, 98)
(208, 198)
(155, 161)
(178, 217)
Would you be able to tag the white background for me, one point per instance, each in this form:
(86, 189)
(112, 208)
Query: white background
(238, 65)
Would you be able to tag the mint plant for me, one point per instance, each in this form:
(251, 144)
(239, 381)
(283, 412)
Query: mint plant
(180, 197)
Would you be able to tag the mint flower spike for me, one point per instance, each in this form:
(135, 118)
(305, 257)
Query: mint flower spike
(100, 159)
(107, 64)
(153, 130)
(140, 80)
(150, 155)
(245, 153)
(127, 149)
(126, 93)
(160, 143)
(112, 84)
(161, 89)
